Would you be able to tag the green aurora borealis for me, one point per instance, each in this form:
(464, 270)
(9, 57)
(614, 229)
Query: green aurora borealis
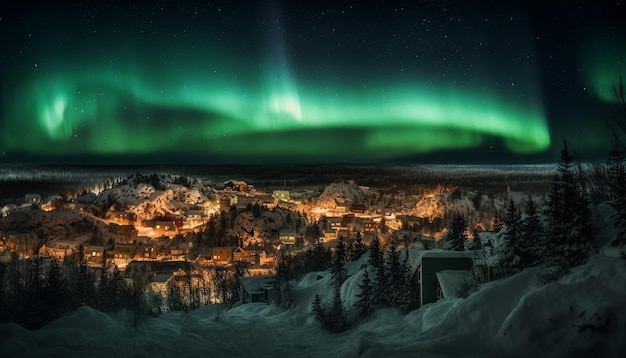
(105, 96)
(125, 114)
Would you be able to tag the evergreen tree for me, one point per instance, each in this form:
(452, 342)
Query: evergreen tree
(175, 297)
(512, 215)
(509, 255)
(36, 313)
(282, 295)
(319, 257)
(336, 319)
(359, 247)
(317, 310)
(456, 236)
(364, 304)
(569, 217)
(118, 289)
(617, 186)
(337, 269)
(497, 225)
(85, 283)
(398, 292)
(376, 259)
(377, 263)
(55, 289)
(476, 243)
(531, 236)
(102, 292)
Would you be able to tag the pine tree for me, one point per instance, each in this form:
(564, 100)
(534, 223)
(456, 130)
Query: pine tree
(34, 316)
(336, 319)
(86, 288)
(118, 289)
(569, 232)
(617, 185)
(377, 263)
(359, 247)
(456, 236)
(337, 269)
(319, 257)
(512, 215)
(282, 294)
(509, 251)
(55, 289)
(280, 275)
(175, 297)
(398, 291)
(497, 225)
(364, 304)
(476, 243)
(376, 259)
(531, 236)
(317, 310)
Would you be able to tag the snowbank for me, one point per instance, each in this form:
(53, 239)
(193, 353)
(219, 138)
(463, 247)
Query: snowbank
(580, 315)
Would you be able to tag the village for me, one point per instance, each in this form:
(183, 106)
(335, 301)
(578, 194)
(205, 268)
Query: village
(162, 229)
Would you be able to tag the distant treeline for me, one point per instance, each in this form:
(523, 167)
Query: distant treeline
(14, 190)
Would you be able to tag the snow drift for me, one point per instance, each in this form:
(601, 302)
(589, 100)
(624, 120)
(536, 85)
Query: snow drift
(580, 315)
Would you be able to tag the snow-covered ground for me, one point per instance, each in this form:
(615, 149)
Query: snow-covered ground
(581, 315)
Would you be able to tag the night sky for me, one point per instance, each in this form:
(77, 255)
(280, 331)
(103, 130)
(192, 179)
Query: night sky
(269, 82)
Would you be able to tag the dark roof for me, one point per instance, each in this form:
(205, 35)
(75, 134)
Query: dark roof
(160, 266)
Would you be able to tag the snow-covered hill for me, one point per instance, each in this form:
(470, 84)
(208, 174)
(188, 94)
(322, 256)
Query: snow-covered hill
(147, 202)
(50, 224)
(258, 231)
(581, 315)
(340, 194)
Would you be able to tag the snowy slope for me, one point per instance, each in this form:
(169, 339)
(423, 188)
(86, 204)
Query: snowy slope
(342, 194)
(580, 315)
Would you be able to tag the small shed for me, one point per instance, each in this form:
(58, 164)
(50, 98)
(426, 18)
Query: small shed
(432, 262)
(256, 288)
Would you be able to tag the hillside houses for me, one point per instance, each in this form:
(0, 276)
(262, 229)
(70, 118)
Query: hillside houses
(194, 218)
(123, 254)
(94, 255)
(225, 201)
(222, 255)
(288, 236)
(25, 244)
(122, 217)
(236, 185)
(246, 255)
(160, 272)
(161, 227)
(59, 248)
(123, 233)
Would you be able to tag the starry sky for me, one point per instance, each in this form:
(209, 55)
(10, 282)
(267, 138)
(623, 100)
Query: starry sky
(185, 82)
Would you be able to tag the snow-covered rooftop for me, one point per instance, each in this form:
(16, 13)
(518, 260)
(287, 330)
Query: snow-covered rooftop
(255, 283)
(451, 281)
